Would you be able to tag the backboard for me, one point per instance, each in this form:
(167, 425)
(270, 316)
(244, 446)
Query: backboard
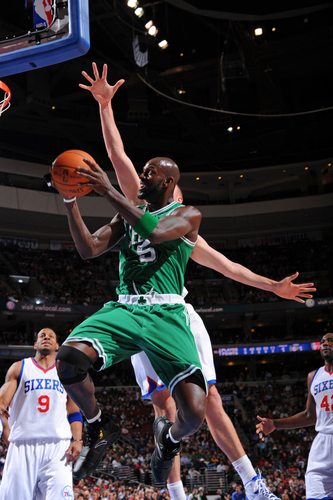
(38, 33)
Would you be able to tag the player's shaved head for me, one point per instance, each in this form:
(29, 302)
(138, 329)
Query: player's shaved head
(169, 167)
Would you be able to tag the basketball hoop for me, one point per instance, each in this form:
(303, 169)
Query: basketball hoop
(5, 103)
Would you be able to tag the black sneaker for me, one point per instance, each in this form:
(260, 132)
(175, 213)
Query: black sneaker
(96, 442)
(162, 459)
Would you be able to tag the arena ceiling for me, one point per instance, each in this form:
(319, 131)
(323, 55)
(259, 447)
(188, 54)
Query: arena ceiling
(215, 74)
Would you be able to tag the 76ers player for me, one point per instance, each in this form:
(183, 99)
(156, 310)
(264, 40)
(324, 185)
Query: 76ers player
(319, 411)
(42, 420)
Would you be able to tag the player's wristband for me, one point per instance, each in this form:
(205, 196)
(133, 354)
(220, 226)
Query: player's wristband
(146, 225)
(75, 417)
(69, 201)
(78, 440)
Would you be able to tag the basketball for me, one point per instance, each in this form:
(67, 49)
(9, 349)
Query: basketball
(64, 175)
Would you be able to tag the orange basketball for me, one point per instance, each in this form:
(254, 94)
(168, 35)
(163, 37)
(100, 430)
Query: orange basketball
(64, 174)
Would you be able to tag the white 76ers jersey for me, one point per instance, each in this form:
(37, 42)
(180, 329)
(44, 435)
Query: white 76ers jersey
(322, 391)
(38, 408)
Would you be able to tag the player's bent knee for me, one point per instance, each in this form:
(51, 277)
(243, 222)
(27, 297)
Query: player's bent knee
(72, 365)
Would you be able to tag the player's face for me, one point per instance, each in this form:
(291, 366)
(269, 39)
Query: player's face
(326, 347)
(46, 342)
(151, 180)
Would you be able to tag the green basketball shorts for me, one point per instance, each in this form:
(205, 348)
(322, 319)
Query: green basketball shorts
(144, 323)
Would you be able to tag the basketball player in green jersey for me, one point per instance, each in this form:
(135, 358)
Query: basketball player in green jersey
(150, 315)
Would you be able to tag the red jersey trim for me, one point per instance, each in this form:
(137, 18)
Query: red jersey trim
(43, 369)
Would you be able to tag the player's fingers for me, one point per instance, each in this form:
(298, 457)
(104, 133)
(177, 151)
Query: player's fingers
(118, 84)
(95, 70)
(297, 299)
(105, 72)
(90, 80)
(91, 164)
(85, 87)
(293, 276)
(260, 418)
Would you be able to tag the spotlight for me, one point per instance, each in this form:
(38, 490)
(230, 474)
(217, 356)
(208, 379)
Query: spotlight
(132, 3)
(230, 129)
(139, 12)
(149, 25)
(163, 44)
(153, 31)
(258, 31)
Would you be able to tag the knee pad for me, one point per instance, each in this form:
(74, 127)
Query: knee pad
(72, 365)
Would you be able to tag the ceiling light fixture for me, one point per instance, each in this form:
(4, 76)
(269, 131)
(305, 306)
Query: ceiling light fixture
(153, 31)
(132, 3)
(149, 25)
(163, 44)
(258, 31)
(230, 129)
(139, 12)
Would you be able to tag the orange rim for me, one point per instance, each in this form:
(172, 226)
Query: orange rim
(8, 93)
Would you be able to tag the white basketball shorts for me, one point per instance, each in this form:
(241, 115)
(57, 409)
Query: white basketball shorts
(319, 473)
(145, 375)
(36, 469)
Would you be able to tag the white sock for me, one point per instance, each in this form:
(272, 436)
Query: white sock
(244, 468)
(176, 491)
(91, 420)
(169, 435)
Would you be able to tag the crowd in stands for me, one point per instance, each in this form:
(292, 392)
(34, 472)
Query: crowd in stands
(64, 278)
(125, 474)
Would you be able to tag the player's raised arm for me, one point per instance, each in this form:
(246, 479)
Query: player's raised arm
(205, 255)
(303, 419)
(8, 389)
(103, 93)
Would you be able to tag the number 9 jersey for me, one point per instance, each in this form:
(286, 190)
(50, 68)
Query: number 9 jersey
(38, 408)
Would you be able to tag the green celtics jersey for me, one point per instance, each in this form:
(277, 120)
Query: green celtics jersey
(153, 268)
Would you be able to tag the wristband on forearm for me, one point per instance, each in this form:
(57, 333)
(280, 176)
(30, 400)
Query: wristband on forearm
(75, 417)
(146, 225)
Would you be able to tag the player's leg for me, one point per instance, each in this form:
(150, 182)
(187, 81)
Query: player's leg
(153, 388)
(164, 404)
(319, 473)
(220, 425)
(99, 342)
(190, 398)
(55, 475)
(22, 462)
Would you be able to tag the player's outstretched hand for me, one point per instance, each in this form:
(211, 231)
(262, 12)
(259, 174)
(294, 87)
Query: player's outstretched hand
(73, 452)
(100, 89)
(266, 425)
(98, 179)
(288, 290)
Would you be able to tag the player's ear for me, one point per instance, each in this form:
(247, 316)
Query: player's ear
(35, 346)
(168, 180)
